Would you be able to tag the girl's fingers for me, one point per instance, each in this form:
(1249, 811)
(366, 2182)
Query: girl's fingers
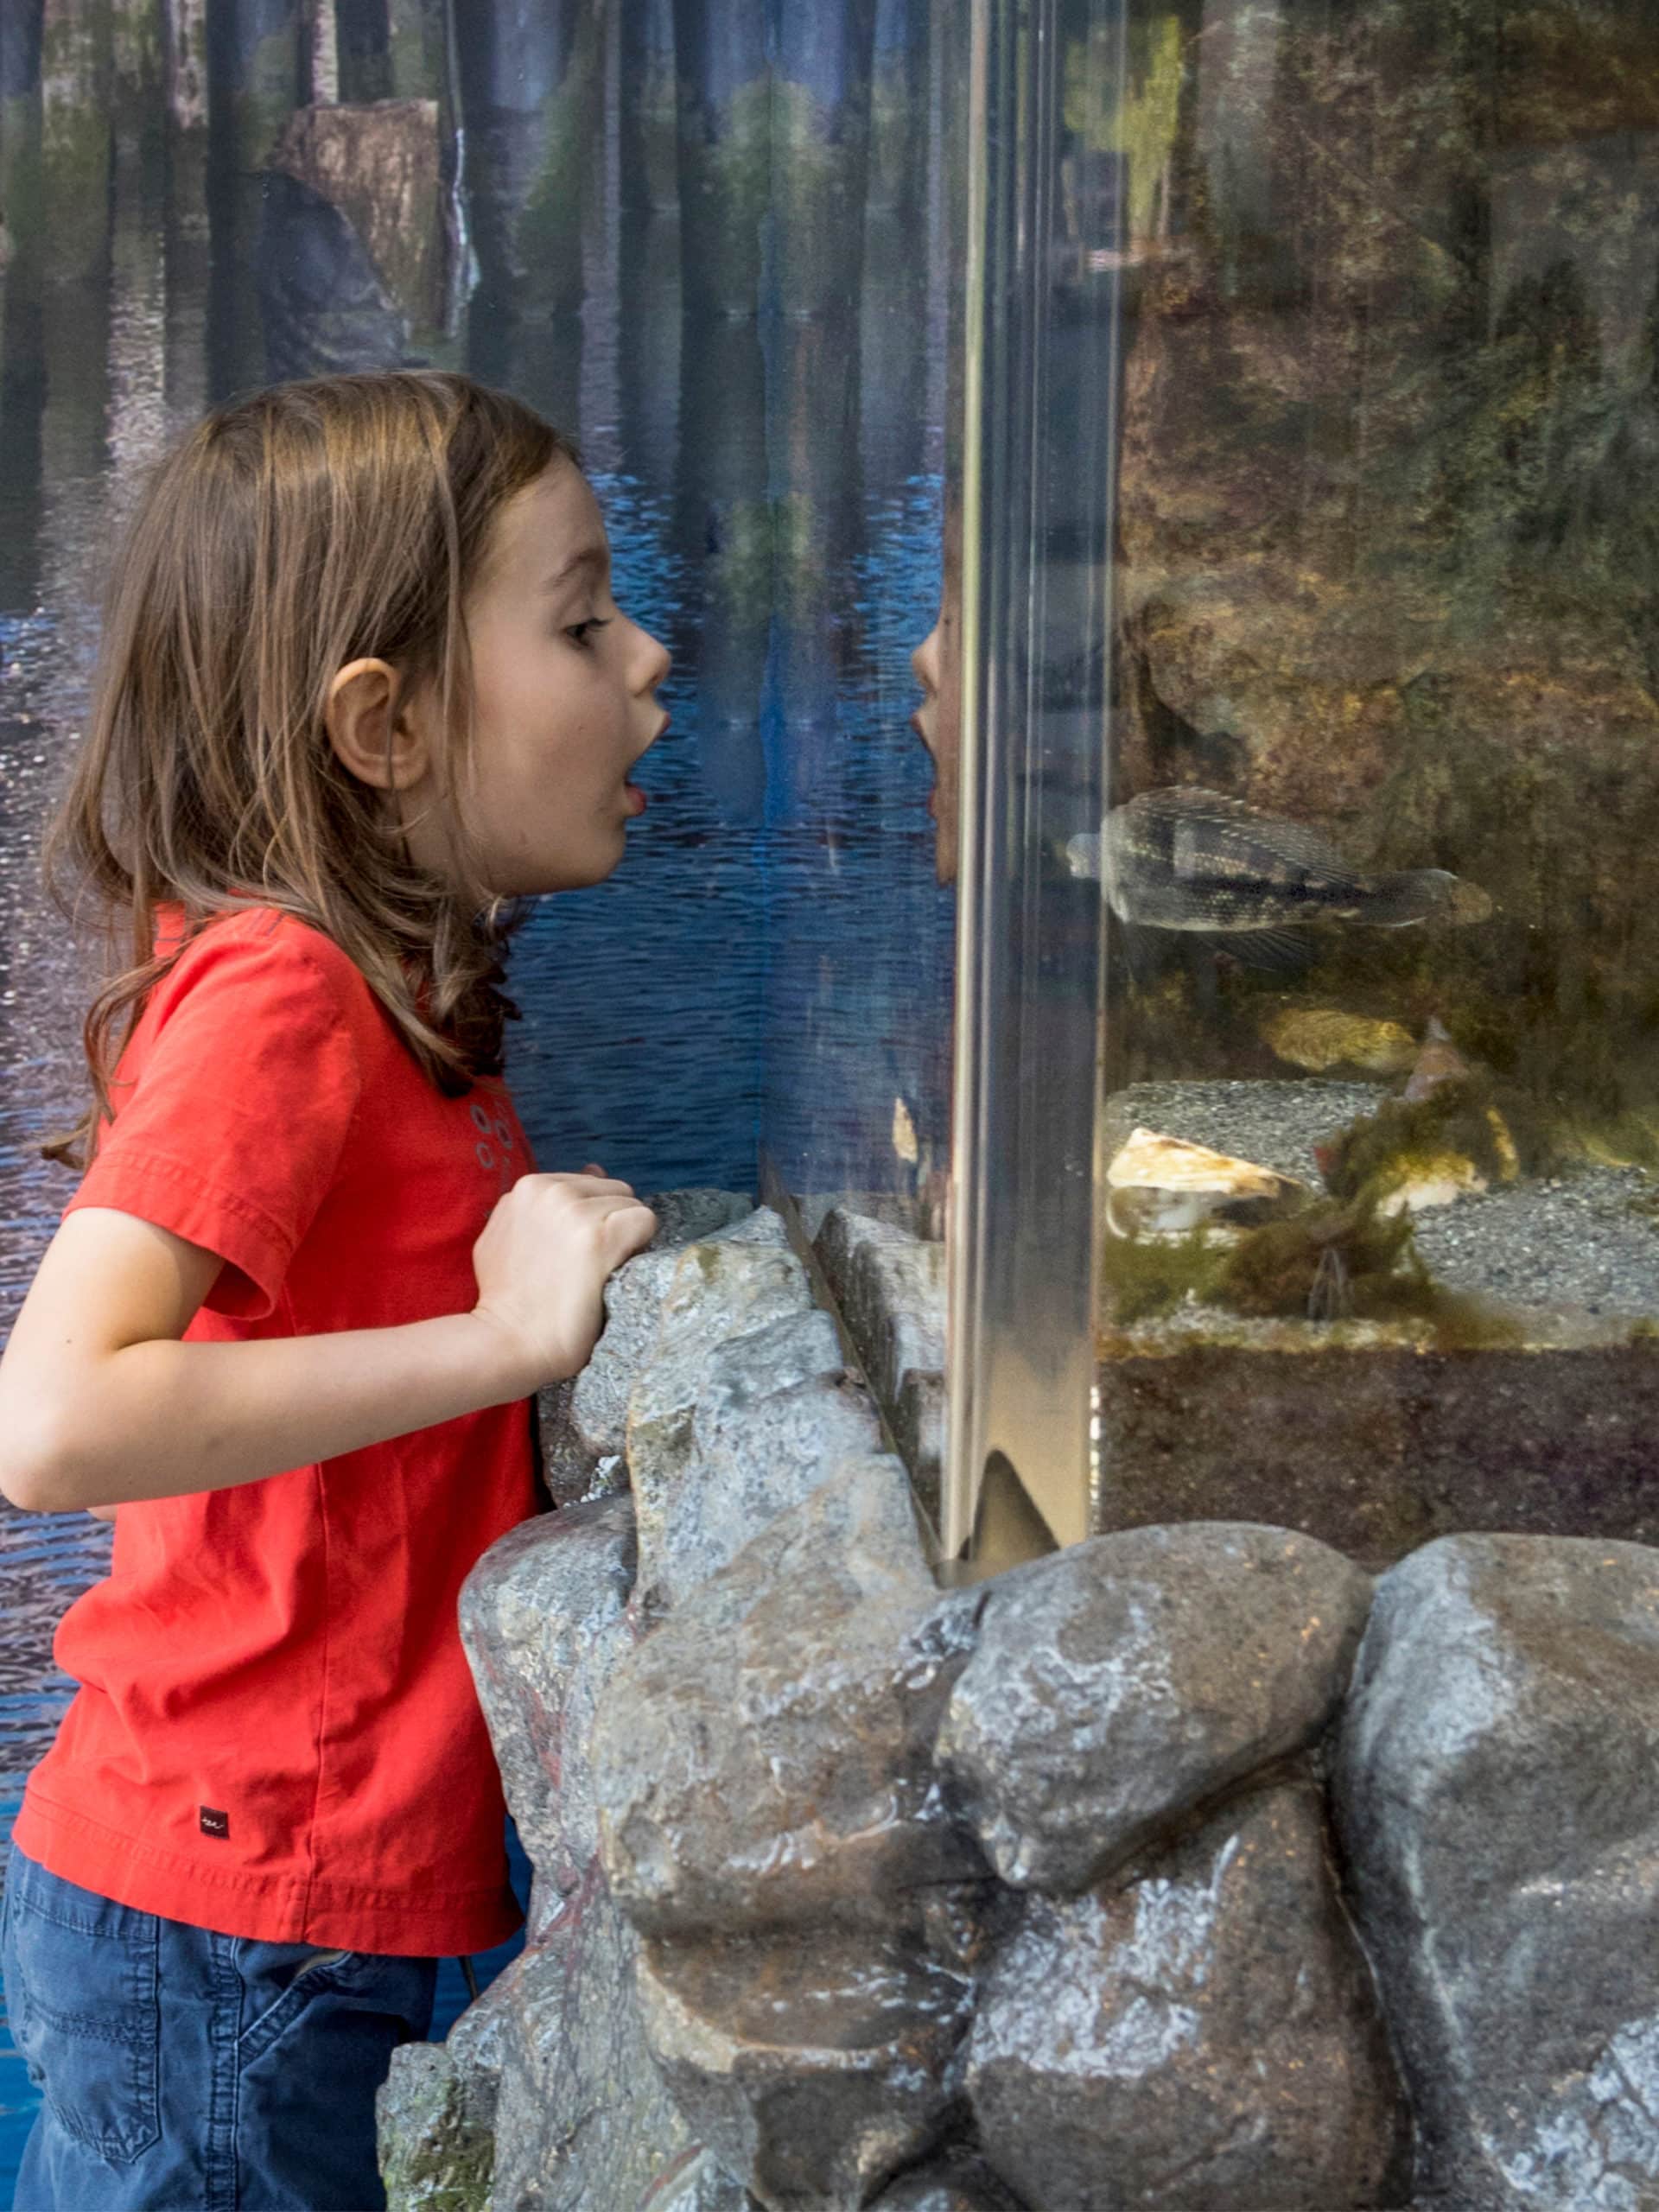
(593, 1168)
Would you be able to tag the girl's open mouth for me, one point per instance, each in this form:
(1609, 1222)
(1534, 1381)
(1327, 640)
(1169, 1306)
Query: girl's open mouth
(637, 799)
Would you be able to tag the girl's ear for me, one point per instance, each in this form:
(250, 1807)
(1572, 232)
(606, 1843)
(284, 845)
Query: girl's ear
(371, 734)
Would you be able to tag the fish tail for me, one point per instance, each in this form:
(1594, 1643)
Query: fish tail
(1411, 896)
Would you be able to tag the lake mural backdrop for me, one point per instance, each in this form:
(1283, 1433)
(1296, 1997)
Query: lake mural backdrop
(711, 240)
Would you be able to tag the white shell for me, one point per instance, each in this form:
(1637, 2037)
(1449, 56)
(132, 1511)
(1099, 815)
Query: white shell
(1165, 1187)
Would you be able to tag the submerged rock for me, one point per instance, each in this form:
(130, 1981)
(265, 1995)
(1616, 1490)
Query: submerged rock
(1121, 1681)
(815, 2068)
(1318, 1038)
(766, 1755)
(1496, 1790)
(1159, 1185)
(1205, 2038)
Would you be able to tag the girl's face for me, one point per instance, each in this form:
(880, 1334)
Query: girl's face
(563, 688)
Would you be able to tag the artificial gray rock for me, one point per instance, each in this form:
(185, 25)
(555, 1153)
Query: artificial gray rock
(813, 2067)
(1118, 1683)
(696, 2182)
(777, 1412)
(583, 1421)
(581, 2116)
(583, 2120)
(543, 1619)
(766, 1755)
(959, 2182)
(434, 2130)
(1495, 1786)
(716, 1294)
(890, 1288)
(1204, 2038)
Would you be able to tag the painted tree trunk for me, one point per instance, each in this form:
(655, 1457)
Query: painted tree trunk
(649, 154)
(136, 68)
(417, 49)
(724, 98)
(321, 54)
(532, 94)
(75, 135)
(899, 106)
(254, 54)
(20, 131)
(727, 521)
(820, 154)
(184, 26)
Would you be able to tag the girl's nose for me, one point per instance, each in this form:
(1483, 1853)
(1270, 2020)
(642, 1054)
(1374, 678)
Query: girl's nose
(924, 661)
(654, 661)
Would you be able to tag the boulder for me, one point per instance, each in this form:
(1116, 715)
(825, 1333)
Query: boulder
(1204, 2038)
(1496, 1787)
(584, 1421)
(583, 2120)
(434, 2132)
(766, 1755)
(696, 2182)
(890, 1286)
(813, 2068)
(778, 1414)
(580, 2117)
(543, 1619)
(715, 1295)
(960, 2183)
(1120, 1682)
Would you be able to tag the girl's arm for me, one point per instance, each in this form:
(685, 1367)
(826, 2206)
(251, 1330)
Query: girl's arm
(101, 1404)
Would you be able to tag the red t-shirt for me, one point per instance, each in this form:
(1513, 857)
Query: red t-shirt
(277, 1733)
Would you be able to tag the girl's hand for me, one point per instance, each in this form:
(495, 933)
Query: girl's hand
(542, 1261)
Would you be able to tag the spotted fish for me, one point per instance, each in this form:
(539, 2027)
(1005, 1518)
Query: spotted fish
(1191, 860)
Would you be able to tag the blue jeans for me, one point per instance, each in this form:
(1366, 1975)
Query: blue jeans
(184, 2071)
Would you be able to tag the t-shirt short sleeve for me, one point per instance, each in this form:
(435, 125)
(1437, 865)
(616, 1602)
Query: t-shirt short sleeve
(230, 1123)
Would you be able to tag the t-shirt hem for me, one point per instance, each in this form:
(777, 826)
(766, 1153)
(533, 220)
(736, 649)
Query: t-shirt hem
(266, 1908)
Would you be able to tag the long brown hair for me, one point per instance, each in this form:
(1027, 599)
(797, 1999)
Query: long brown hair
(290, 532)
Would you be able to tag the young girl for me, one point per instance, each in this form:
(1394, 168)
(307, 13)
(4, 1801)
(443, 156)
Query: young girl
(364, 682)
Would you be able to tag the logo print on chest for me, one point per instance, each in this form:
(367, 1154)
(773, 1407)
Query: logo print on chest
(494, 1145)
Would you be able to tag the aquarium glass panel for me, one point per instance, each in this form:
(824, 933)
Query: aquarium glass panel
(1369, 299)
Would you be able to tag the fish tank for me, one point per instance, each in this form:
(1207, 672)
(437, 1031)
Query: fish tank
(1307, 1011)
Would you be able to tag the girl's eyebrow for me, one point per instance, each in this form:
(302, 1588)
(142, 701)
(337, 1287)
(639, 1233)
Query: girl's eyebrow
(595, 556)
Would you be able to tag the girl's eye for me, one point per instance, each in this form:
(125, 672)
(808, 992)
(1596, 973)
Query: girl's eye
(578, 631)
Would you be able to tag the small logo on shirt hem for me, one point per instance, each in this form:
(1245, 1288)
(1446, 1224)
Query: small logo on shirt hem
(213, 1823)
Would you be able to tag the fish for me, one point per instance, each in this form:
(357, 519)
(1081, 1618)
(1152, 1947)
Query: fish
(1247, 882)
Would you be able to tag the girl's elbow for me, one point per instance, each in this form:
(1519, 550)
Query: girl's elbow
(37, 1463)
